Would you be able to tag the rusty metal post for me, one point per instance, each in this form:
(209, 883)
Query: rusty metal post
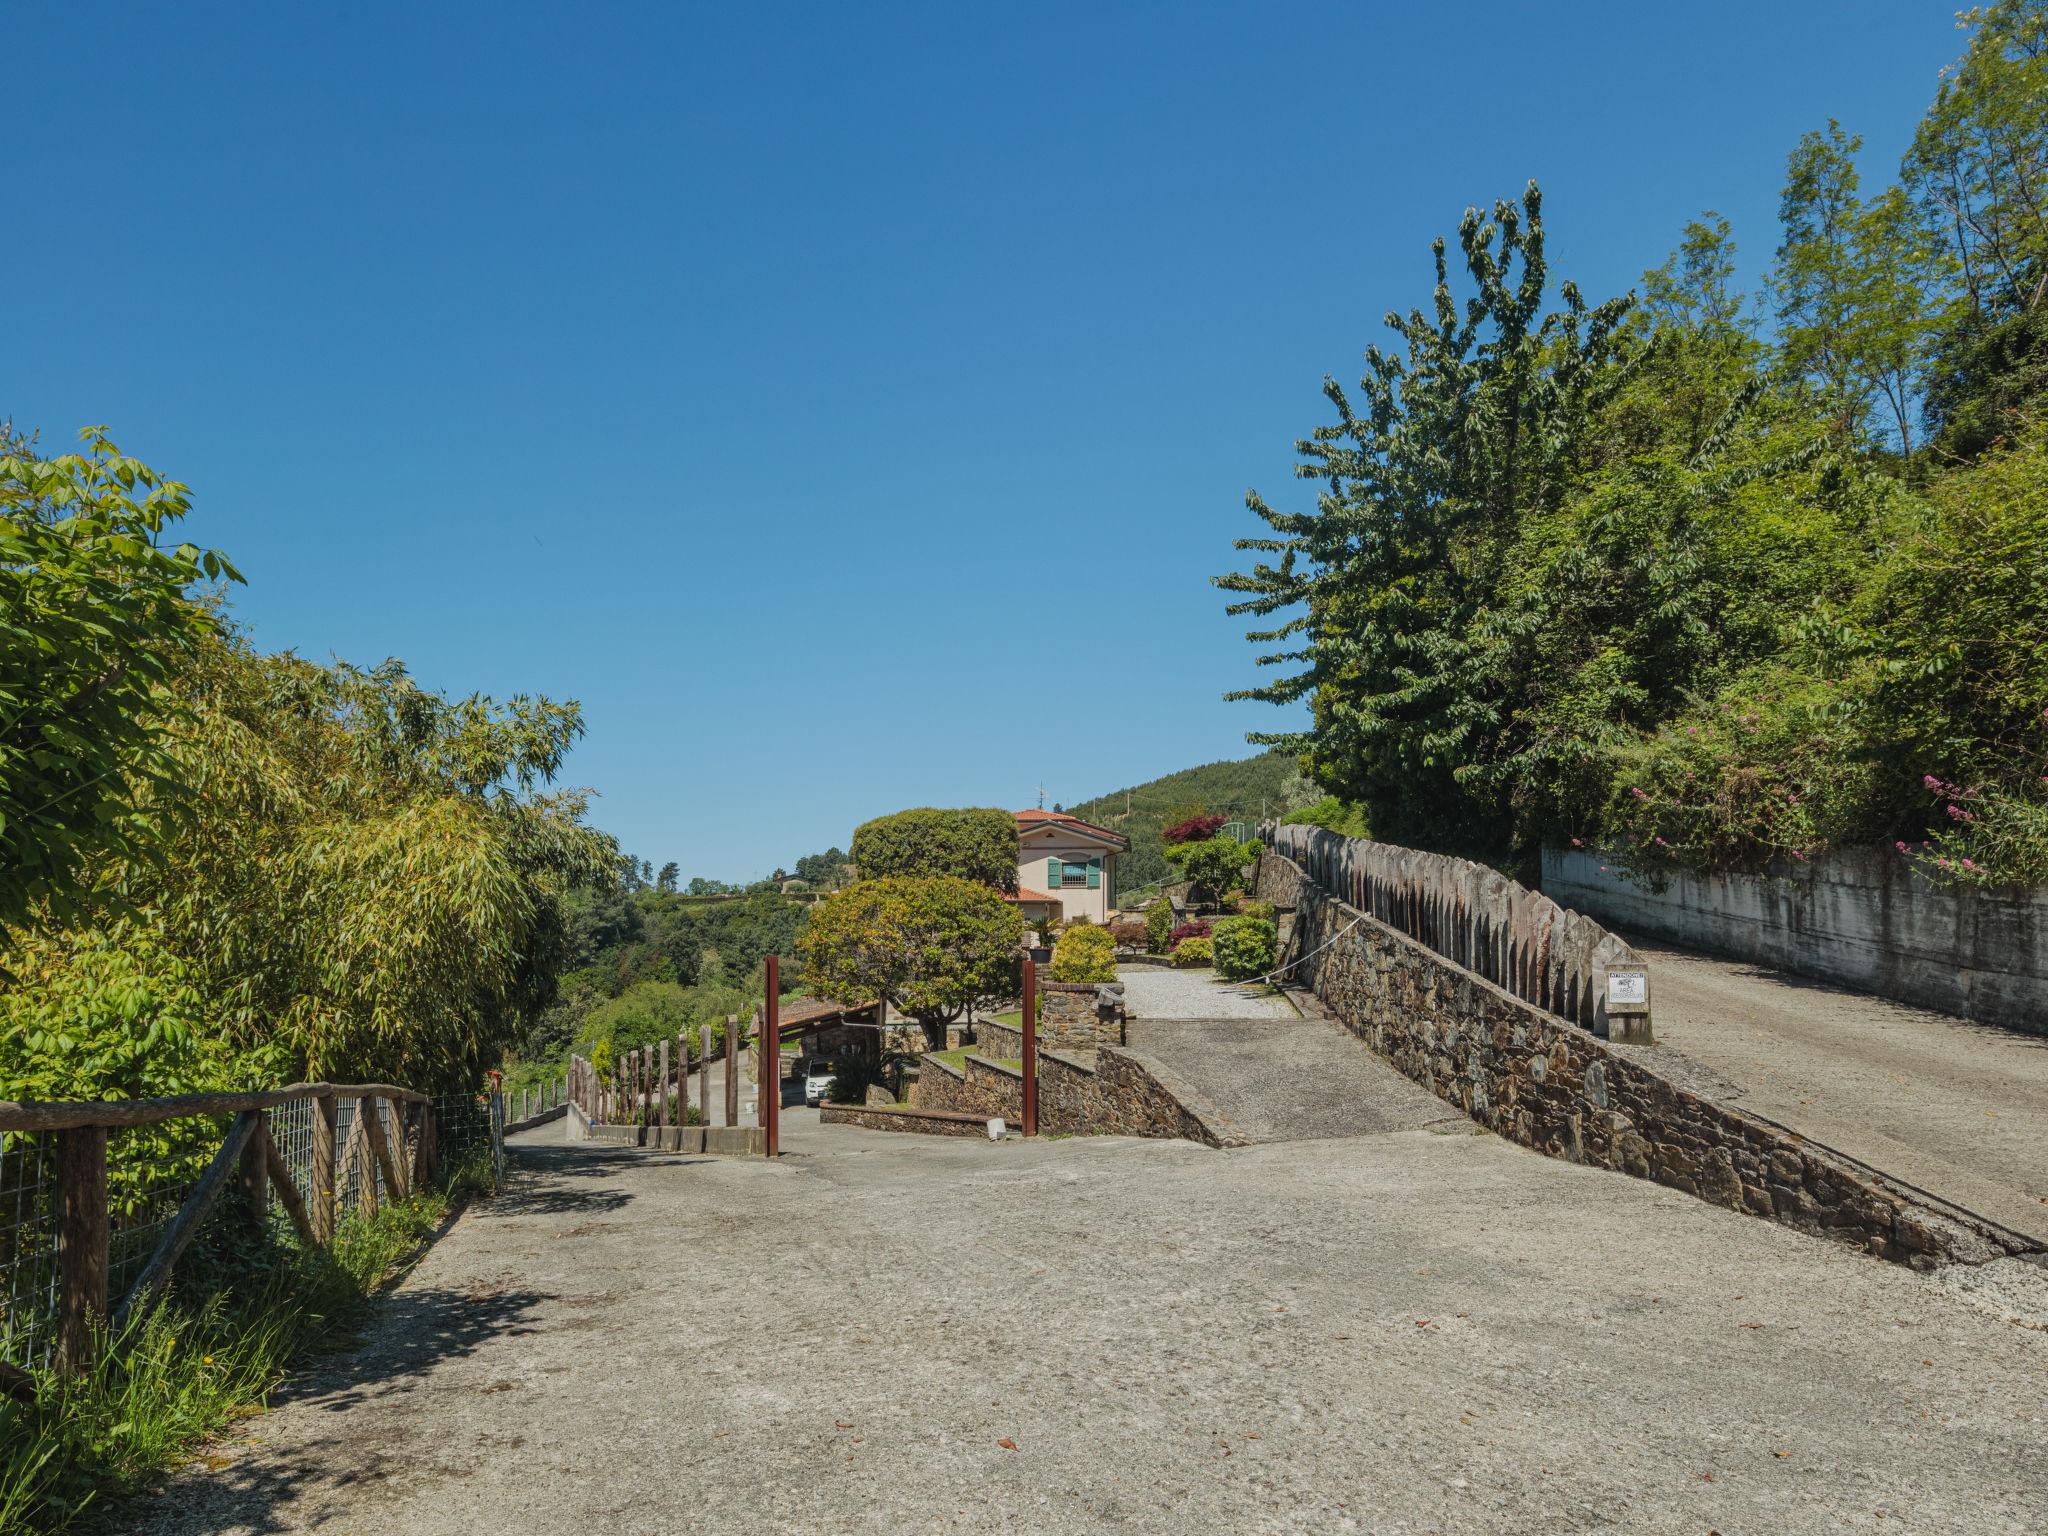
(1030, 1062)
(771, 1060)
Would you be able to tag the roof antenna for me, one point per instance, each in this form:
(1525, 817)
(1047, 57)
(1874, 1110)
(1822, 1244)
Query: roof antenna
(1041, 794)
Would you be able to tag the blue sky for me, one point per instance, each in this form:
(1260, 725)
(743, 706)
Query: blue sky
(847, 404)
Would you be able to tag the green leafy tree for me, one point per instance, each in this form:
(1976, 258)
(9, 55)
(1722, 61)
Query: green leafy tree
(1817, 278)
(1978, 175)
(1214, 865)
(1483, 419)
(979, 845)
(665, 882)
(98, 613)
(931, 947)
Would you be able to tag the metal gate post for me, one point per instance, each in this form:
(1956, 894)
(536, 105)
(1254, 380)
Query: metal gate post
(1030, 1062)
(771, 1060)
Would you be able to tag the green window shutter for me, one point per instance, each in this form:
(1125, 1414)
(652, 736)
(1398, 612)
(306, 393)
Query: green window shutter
(1095, 874)
(1052, 874)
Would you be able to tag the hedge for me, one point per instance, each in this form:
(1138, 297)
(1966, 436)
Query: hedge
(1189, 953)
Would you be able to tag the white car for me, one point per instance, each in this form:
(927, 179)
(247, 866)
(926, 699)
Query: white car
(817, 1081)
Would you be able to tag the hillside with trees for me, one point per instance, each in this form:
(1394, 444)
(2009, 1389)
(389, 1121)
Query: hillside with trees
(1695, 576)
(1243, 789)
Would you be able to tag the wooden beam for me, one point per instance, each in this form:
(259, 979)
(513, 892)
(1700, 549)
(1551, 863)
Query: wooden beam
(662, 1088)
(185, 1225)
(425, 1156)
(81, 1244)
(64, 1115)
(287, 1192)
(732, 1069)
(354, 1156)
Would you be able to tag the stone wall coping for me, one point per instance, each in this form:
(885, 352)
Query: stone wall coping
(1075, 986)
(826, 1113)
(1068, 1059)
(930, 1059)
(997, 1066)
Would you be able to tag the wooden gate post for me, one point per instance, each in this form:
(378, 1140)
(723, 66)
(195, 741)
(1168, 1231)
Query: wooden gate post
(322, 1192)
(661, 1089)
(771, 1060)
(1030, 1062)
(732, 1069)
(81, 1244)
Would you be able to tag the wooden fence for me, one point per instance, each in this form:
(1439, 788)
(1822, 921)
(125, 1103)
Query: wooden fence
(54, 1170)
(649, 1085)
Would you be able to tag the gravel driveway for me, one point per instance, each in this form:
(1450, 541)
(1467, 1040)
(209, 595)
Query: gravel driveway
(883, 1333)
(1163, 994)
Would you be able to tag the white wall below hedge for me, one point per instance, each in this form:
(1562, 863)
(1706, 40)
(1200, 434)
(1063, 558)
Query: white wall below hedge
(1868, 920)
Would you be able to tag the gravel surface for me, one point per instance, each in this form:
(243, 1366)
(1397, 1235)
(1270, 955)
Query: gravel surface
(1957, 1108)
(1161, 994)
(881, 1333)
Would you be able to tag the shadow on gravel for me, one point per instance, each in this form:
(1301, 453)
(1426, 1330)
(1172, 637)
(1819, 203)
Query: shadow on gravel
(410, 1332)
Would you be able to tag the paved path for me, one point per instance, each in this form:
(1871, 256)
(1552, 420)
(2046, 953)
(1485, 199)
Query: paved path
(1957, 1108)
(1275, 1075)
(1403, 1333)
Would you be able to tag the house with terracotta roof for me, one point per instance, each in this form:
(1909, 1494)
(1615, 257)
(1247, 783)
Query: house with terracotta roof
(1064, 866)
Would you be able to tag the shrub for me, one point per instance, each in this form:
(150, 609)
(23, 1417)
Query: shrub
(1195, 928)
(1085, 953)
(1214, 865)
(1130, 935)
(1332, 815)
(931, 947)
(1245, 947)
(1159, 926)
(1189, 953)
(978, 845)
(1252, 907)
(1195, 829)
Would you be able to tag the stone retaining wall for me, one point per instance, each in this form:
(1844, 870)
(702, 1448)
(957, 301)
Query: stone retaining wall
(1005, 1042)
(1540, 1080)
(1079, 1015)
(1118, 1093)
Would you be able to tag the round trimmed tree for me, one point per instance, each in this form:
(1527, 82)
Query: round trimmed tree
(930, 947)
(979, 845)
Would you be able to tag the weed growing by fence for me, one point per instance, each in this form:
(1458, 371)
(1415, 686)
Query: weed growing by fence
(192, 1366)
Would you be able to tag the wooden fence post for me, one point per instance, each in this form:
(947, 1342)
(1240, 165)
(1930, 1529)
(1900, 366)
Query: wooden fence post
(254, 1177)
(81, 1244)
(682, 1079)
(662, 1089)
(380, 1144)
(322, 1192)
(732, 1069)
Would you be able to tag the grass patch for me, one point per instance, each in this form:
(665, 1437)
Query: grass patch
(244, 1308)
(957, 1060)
(1014, 1018)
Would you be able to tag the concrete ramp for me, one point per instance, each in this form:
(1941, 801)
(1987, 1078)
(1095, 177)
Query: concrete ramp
(1275, 1075)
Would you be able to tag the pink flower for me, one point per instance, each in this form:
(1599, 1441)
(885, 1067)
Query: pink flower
(1638, 793)
(1930, 781)
(1692, 730)
(1968, 865)
(1578, 842)
(1900, 845)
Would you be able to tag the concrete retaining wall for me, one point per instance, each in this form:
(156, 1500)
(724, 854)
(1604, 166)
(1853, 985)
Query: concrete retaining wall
(1540, 1080)
(1868, 920)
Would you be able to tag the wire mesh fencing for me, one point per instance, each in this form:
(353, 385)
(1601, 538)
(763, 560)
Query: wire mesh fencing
(152, 1169)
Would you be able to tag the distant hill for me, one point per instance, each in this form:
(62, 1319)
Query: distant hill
(1244, 790)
